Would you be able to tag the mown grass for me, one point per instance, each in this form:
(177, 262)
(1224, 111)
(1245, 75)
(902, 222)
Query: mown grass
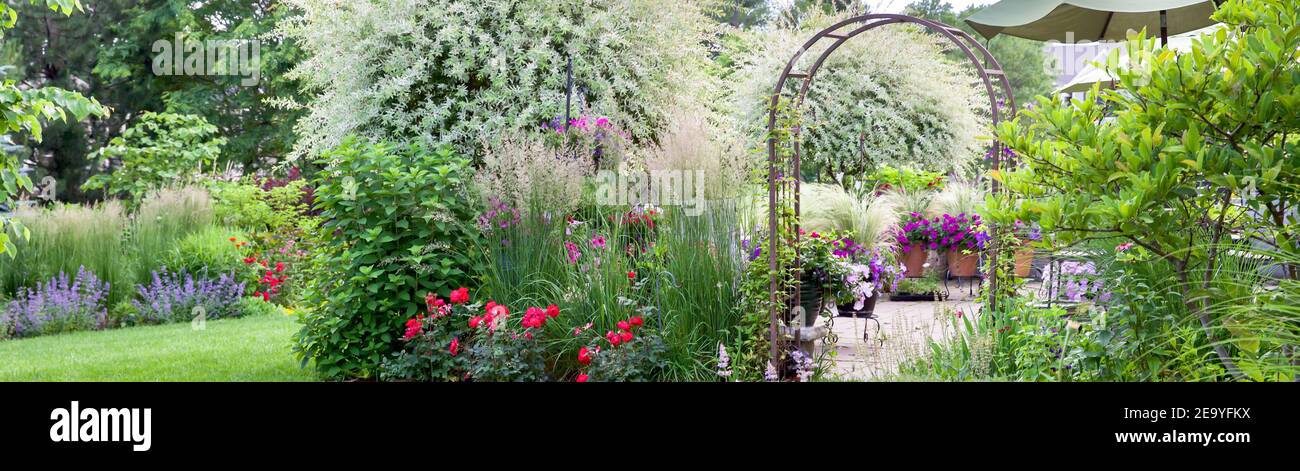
(253, 348)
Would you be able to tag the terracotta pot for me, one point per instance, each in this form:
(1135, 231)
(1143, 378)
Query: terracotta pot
(1024, 262)
(960, 264)
(914, 260)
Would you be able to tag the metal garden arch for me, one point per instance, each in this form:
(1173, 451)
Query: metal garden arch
(781, 188)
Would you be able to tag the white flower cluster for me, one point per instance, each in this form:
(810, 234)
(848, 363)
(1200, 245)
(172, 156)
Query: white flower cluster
(450, 71)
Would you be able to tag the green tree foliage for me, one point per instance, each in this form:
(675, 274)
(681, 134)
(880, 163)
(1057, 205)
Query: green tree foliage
(160, 149)
(1194, 150)
(399, 224)
(24, 109)
(108, 53)
(741, 13)
(866, 108)
(1023, 60)
(257, 118)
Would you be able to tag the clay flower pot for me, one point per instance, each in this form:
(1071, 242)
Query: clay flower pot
(914, 261)
(1024, 262)
(960, 264)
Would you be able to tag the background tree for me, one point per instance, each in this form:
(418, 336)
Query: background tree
(741, 13)
(887, 97)
(444, 71)
(24, 113)
(107, 53)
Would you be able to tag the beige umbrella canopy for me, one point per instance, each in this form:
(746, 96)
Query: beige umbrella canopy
(1091, 74)
(1092, 20)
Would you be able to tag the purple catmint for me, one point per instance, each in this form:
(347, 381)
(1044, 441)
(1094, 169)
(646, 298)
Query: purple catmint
(173, 297)
(59, 305)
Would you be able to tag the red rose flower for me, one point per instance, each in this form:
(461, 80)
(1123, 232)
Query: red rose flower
(460, 296)
(413, 328)
(455, 346)
(474, 322)
(582, 377)
(613, 338)
(636, 321)
(279, 267)
(552, 311)
(624, 326)
(534, 318)
(249, 259)
(584, 356)
(625, 337)
(631, 275)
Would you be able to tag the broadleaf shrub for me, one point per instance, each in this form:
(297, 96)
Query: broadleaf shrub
(158, 150)
(399, 219)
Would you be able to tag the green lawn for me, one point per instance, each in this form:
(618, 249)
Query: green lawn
(248, 349)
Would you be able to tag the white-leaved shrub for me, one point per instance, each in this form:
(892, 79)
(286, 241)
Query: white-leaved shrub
(886, 97)
(452, 71)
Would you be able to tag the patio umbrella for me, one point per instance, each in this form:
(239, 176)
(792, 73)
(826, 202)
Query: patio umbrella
(1091, 74)
(1092, 20)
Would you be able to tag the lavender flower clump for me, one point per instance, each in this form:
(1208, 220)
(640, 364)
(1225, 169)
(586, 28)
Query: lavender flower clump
(174, 297)
(59, 305)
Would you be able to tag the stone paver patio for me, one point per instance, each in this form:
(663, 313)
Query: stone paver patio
(904, 332)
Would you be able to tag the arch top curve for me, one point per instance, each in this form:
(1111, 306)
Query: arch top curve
(781, 189)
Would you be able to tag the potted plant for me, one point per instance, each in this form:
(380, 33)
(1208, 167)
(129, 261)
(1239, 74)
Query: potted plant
(822, 272)
(916, 238)
(867, 274)
(963, 238)
(1025, 235)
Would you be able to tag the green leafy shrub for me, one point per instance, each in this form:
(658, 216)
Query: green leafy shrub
(399, 219)
(904, 178)
(209, 253)
(255, 306)
(1189, 152)
(23, 110)
(160, 149)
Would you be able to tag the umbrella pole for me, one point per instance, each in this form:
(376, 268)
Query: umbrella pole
(1164, 28)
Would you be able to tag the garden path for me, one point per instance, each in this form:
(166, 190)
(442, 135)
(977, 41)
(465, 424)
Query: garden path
(904, 332)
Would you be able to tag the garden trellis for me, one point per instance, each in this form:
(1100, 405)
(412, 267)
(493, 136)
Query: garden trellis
(783, 173)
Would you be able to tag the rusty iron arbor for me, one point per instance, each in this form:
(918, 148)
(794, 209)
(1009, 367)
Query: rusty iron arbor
(783, 182)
